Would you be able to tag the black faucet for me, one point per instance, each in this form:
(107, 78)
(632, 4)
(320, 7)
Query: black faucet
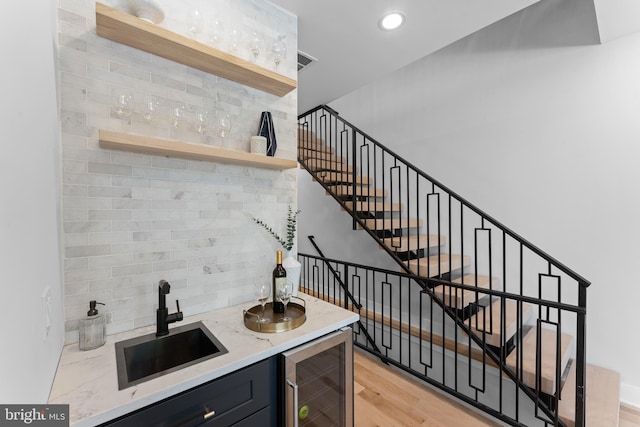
(163, 318)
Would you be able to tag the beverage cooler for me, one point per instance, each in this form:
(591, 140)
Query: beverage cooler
(319, 382)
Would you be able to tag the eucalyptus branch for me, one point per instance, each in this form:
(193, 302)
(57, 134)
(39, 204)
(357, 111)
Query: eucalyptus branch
(292, 218)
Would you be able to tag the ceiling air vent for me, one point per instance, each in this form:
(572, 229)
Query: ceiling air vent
(305, 60)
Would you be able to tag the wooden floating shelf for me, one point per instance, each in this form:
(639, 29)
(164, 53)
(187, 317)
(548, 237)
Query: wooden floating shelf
(116, 25)
(186, 150)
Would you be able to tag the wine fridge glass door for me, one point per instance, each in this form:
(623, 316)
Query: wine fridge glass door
(319, 379)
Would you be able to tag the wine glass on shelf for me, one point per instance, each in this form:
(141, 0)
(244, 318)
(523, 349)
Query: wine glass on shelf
(195, 22)
(151, 108)
(278, 50)
(284, 293)
(122, 104)
(216, 33)
(202, 118)
(178, 114)
(224, 125)
(256, 42)
(262, 291)
(235, 41)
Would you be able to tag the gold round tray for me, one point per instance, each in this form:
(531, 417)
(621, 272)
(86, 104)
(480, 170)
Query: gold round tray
(294, 310)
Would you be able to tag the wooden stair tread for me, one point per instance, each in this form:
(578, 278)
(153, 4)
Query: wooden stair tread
(460, 298)
(308, 136)
(602, 397)
(548, 358)
(436, 265)
(486, 324)
(414, 242)
(317, 155)
(392, 223)
(305, 131)
(308, 147)
(326, 165)
(360, 191)
(371, 206)
(337, 177)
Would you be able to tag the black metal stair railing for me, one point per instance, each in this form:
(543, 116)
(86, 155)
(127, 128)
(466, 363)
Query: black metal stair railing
(473, 270)
(400, 318)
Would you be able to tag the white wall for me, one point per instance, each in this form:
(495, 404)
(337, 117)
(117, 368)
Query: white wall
(617, 18)
(29, 212)
(537, 125)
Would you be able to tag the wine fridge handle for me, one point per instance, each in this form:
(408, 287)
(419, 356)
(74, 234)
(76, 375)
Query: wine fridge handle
(294, 386)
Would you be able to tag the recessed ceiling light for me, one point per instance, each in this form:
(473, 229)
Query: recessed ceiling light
(391, 21)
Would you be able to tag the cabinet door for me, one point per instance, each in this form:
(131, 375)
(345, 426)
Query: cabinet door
(222, 402)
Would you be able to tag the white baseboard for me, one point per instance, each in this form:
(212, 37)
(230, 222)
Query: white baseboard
(630, 394)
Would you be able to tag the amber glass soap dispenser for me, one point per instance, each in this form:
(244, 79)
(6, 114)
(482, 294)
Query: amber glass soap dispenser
(92, 329)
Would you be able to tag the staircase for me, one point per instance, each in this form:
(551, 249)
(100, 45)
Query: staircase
(492, 296)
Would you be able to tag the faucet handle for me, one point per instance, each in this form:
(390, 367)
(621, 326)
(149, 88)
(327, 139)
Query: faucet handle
(178, 314)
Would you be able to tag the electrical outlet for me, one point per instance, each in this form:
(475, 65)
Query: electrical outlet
(46, 311)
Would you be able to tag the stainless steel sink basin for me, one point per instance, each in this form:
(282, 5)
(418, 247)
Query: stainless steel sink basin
(143, 358)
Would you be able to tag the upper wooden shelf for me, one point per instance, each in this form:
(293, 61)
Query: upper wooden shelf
(186, 150)
(121, 27)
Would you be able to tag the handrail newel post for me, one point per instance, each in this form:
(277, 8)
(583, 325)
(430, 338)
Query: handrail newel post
(581, 352)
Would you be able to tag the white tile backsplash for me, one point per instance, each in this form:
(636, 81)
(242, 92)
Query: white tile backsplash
(130, 219)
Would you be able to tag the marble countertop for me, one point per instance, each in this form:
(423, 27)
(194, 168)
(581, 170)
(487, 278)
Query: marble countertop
(87, 380)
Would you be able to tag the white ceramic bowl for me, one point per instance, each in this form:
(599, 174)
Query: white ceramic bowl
(146, 10)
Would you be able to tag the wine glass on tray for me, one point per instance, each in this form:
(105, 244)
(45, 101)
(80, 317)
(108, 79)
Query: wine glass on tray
(262, 293)
(284, 293)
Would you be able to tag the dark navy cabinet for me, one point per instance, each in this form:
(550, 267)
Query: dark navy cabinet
(247, 397)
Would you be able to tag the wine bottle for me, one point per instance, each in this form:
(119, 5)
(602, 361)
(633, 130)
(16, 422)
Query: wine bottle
(279, 280)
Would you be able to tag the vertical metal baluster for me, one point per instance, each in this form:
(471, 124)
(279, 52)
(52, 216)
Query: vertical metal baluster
(581, 349)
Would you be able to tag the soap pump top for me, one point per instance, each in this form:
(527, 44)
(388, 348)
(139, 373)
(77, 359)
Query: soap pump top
(93, 311)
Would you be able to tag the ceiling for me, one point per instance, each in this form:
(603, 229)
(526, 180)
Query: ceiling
(352, 51)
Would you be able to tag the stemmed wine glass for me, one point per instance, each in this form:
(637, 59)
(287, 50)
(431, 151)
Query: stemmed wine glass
(224, 125)
(202, 118)
(256, 41)
(263, 291)
(235, 40)
(122, 104)
(195, 22)
(151, 108)
(178, 116)
(284, 293)
(279, 51)
(216, 33)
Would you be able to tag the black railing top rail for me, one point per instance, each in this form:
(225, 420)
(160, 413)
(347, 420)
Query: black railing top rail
(553, 261)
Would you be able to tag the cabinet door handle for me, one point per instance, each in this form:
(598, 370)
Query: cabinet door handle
(295, 401)
(209, 414)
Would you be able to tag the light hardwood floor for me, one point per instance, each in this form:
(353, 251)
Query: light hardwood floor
(629, 416)
(386, 398)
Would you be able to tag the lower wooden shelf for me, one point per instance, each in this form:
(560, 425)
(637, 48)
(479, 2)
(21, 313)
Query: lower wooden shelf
(185, 150)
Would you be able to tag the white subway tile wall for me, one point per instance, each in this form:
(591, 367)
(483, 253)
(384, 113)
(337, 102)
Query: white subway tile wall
(131, 220)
